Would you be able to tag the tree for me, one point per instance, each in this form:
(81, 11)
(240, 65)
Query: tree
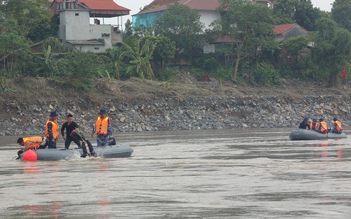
(297, 11)
(294, 45)
(10, 40)
(181, 25)
(332, 48)
(128, 31)
(33, 17)
(250, 26)
(341, 13)
(139, 56)
(165, 50)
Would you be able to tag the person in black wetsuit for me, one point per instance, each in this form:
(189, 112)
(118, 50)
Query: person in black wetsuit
(70, 125)
(304, 124)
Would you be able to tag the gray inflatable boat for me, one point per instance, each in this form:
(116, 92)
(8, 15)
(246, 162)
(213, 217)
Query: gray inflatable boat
(113, 151)
(304, 134)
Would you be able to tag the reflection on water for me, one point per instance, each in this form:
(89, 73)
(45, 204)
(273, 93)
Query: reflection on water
(186, 174)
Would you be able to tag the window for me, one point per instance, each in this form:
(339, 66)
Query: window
(76, 14)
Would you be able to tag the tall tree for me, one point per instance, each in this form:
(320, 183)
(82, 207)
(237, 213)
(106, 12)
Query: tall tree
(128, 31)
(10, 40)
(250, 26)
(34, 17)
(297, 11)
(332, 48)
(181, 25)
(341, 13)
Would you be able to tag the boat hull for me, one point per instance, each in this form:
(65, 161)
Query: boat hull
(113, 151)
(304, 134)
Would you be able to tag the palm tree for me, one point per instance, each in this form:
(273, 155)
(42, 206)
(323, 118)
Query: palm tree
(139, 56)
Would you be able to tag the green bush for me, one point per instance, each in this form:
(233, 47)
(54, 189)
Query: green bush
(165, 74)
(206, 63)
(222, 73)
(265, 73)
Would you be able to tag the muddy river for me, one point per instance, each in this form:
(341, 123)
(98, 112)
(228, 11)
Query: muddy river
(197, 174)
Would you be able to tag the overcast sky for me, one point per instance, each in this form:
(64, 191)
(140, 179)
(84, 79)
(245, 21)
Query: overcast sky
(135, 5)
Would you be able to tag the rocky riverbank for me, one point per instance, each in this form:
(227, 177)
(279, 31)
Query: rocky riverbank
(182, 104)
(170, 113)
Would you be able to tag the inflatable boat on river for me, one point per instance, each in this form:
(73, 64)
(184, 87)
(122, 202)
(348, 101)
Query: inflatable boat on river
(304, 134)
(113, 151)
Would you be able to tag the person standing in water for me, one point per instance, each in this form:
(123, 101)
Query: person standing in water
(69, 126)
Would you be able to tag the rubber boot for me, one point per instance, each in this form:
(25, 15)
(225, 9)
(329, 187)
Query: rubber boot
(85, 153)
(91, 149)
(19, 153)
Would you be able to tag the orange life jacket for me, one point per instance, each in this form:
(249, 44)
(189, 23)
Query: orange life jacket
(323, 127)
(55, 129)
(34, 141)
(337, 125)
(314, 126)
(101, 126)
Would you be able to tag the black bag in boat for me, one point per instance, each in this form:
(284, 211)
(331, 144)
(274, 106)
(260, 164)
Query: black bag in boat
(111, 141)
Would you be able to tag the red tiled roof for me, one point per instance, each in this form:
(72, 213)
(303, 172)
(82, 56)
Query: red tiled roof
(282, 28)
(103, 5)
(99, 4)
(161, 2)
(203, 5)
(225, 39)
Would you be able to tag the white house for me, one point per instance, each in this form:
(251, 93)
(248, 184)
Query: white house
(75, 28)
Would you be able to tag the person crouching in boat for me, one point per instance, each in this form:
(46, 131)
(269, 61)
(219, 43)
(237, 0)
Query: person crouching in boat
(314, 125)
(323, 127)
(304, 124)
(80, 137)
(30, 143)
(337, 128)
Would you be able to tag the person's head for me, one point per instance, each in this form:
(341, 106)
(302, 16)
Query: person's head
(335, 119)
(102, 113)
(321, 119)
(53, 115)
(20, 141)
(305, 119)
(69, 118)
(314, 120)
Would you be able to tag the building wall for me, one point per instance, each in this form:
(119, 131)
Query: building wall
(295, 31)
(116, 35)
(207, 17)
(90, 48)
(145, 19)
(101, 32)
(74, 25)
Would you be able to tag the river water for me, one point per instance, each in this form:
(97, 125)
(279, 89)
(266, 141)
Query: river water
(197, 174)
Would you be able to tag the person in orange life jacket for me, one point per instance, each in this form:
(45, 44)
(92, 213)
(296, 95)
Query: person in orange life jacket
(323, 127)
(337, 128)
(102, 128)
(80, 137)
(314, 125)
(70, 125)
(304, 124)
(30, 143)
(52, 130)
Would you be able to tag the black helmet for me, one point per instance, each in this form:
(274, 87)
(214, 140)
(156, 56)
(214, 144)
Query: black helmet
(314, 120)
(335, 119)
(305, 119)
(321, 119)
